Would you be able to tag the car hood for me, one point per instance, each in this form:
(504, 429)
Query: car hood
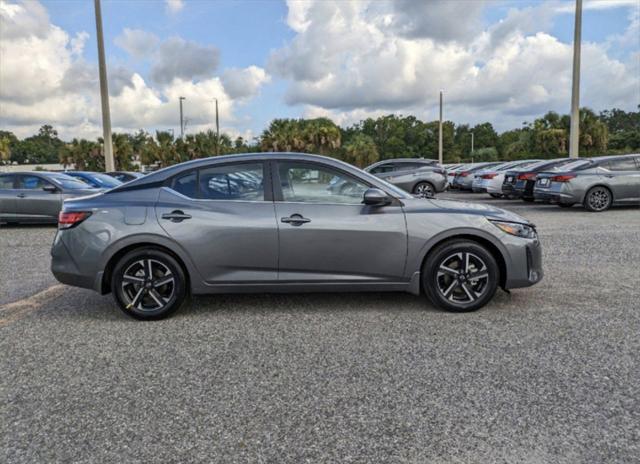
(416, 205)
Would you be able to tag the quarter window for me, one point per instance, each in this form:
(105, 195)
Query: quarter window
(310, 183)
(186, 185)
(6, 182)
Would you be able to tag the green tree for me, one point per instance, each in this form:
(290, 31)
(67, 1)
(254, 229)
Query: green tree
(361, 151)
(5, 150)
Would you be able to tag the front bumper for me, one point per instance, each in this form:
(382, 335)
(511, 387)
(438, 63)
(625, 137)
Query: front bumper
(527, 266)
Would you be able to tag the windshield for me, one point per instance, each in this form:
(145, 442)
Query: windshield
(68, 182)
(103, 180)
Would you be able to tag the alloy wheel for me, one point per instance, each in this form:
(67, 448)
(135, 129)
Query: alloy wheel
(599, 199)
(462, 277)
(424, 189)
(148, 285)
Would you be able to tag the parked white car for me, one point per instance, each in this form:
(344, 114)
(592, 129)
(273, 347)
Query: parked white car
(490, 180)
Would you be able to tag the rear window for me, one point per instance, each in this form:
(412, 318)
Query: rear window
(576, 165)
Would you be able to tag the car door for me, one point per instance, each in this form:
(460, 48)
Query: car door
(223, 216)
(35, 203)
(623, 177)
(7, 197)
(330, 236)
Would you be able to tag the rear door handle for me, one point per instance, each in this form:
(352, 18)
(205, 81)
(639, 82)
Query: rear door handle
(176, 216)
(21, 195)
(295, 220)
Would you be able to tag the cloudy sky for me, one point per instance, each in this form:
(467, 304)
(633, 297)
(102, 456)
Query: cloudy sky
(500, 61)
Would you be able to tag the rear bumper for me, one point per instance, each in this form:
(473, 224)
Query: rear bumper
(509, 189)
(65, 269)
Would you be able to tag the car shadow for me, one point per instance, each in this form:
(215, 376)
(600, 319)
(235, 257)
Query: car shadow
(12, 225)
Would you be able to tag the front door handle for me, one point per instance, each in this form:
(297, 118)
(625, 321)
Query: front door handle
(295, 220)
(21, 195)
(176, 216)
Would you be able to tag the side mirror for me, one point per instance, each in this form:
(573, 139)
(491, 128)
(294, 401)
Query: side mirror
(376, 197)
(50, 188)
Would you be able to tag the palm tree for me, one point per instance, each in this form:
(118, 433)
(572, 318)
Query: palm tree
(361, 150)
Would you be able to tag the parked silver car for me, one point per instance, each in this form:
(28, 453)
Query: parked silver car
(37, 197)
(268, 222)
(463, 178)
(596, 183)
(422, 177)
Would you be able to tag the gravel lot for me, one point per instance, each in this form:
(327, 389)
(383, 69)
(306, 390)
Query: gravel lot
(545, 374)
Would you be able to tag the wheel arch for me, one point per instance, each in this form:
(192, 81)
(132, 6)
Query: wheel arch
(598, 184)
(116, 253)
(494, 248)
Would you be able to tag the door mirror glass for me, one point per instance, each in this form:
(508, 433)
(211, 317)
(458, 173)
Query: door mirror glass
(376, 197)
(49, 188)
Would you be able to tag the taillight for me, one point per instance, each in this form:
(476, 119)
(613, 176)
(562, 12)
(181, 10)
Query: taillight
(452, 173)
(463, 174)
(527, 176)
(69, 219)
(563, 178)
(489, 176)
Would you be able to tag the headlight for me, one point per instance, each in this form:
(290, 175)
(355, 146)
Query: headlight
(516, 228)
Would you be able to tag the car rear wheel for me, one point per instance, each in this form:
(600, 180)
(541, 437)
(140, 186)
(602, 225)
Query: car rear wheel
(148, 284)
(598, 199)
(424, 189)
(460, 276)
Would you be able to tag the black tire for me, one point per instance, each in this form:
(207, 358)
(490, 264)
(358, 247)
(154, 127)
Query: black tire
(142, 294)
(425, 189)
(495, 195)
(598, 199)
(446, 289)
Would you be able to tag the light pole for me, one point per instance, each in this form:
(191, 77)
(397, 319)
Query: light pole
(471, 143)
(574, 137)
(217, 129)
(440, 157)
(109, 163)
(181, 119)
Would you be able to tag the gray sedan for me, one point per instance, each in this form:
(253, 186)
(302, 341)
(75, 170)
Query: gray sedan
(37, 197)
(269, 222)
(596, 183)
(419, 176)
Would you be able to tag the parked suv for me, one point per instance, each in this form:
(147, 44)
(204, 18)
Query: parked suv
(596, 183)
(422, 177)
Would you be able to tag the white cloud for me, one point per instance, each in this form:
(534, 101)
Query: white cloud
(366, 57)
(136, 42)
(44, 79)
(243, 83)
(174, 6)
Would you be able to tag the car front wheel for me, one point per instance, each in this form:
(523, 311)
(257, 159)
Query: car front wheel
(460, 276)
(598, 199)
(148, 284)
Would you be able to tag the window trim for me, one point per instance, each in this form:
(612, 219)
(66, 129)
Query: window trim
(266, 181)
(277, 186)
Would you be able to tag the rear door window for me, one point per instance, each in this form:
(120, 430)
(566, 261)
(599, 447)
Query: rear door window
(621, 164)
(31, 183)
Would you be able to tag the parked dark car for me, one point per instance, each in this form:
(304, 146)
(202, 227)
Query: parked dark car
(125, 176)
(519, 183)
(595, 183)
(419, 176)
(267, 222)
(97, 180)
(36, 197)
